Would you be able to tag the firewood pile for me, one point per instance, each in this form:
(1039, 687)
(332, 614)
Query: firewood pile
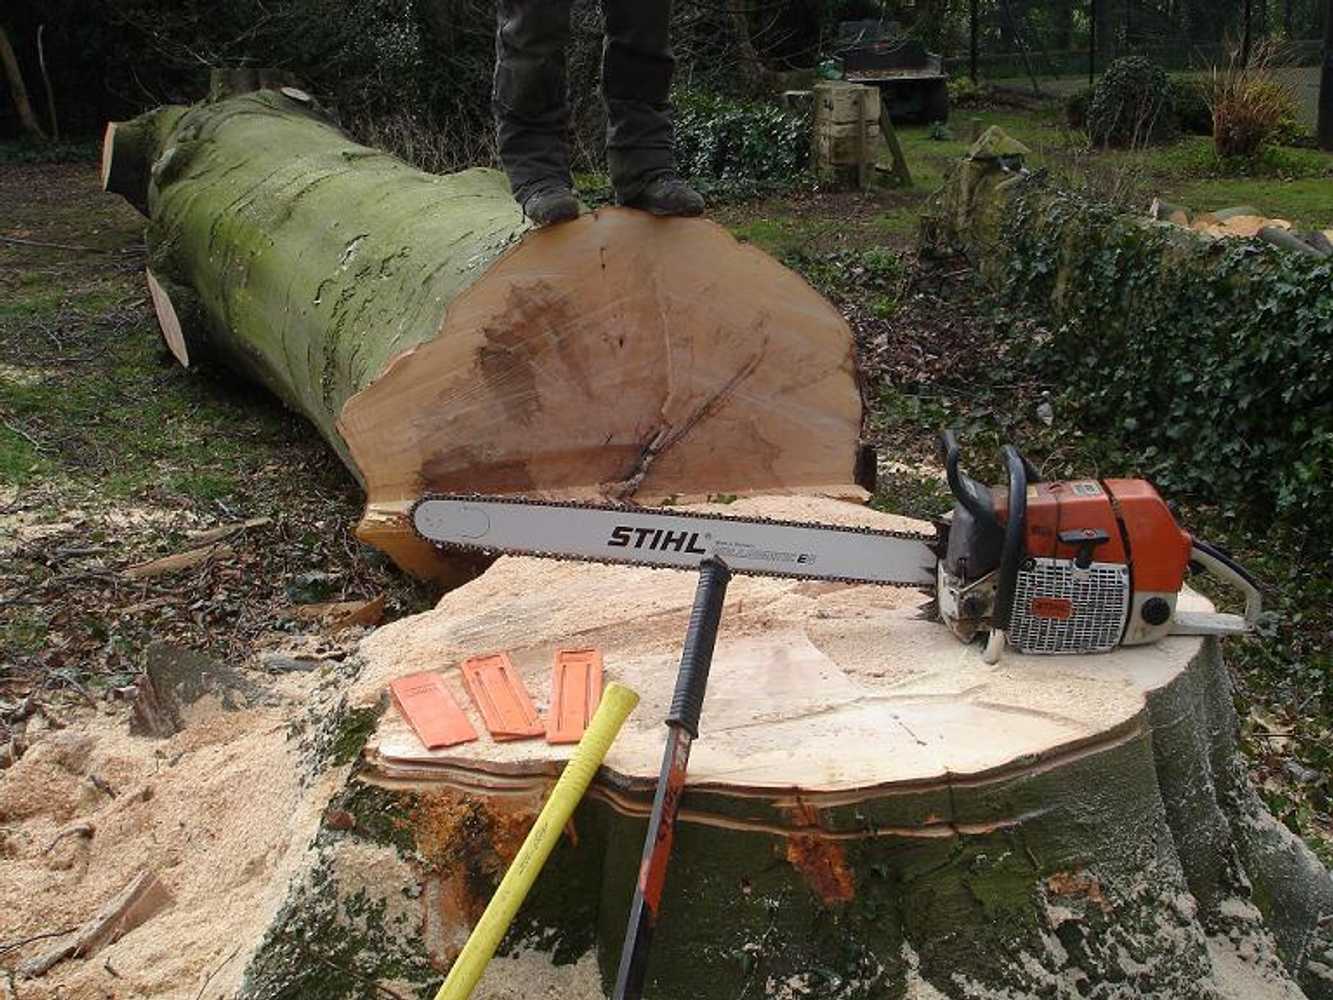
(1244, 222)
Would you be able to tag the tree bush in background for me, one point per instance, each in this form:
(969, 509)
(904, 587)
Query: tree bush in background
(1249, 104)
(740, 146)
(1131, 105)
(1190, 96)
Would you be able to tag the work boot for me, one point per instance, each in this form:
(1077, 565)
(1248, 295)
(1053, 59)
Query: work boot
(550, 205)
(667, 194)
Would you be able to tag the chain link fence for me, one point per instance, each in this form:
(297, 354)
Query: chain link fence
(1056, 46)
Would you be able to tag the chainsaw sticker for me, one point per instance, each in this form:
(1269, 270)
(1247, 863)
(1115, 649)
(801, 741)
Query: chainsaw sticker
(655, 540)
(1059, 609)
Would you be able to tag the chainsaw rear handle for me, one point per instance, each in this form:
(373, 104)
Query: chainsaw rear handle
(696, 659)
(1226, 569)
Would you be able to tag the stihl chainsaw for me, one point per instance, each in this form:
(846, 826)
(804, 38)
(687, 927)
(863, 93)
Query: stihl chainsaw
(1047, 568)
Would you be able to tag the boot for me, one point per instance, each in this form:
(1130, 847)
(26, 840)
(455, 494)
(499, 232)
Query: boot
(667, 194)
(550, 205)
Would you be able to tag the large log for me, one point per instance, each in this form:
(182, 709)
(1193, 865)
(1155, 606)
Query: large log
(871, 811)
(439, 346)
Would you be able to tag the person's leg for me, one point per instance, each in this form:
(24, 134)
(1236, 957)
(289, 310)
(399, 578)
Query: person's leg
(637, 65)
(531, 105)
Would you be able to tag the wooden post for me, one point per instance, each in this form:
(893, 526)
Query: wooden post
(862, 140)
(976, 18)
(900, 169)
(1326, 84)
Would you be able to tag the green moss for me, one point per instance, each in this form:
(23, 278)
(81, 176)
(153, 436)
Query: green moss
(380, 815)
(321, 945)
(350, 735)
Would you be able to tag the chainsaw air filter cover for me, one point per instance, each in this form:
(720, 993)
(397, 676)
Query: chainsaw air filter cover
(1104, 565)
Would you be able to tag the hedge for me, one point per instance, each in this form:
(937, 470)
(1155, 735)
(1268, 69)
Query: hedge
(1212, 361)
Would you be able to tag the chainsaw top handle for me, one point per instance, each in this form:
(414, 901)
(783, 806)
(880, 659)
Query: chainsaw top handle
(975, 497)
(1015, 531)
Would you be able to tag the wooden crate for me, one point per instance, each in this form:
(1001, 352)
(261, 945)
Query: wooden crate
(846, 130)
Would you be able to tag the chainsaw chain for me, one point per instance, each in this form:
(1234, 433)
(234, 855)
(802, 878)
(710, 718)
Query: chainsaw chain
(612, 508)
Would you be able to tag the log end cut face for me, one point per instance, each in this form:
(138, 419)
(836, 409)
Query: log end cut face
(619, 355)
(821, 695)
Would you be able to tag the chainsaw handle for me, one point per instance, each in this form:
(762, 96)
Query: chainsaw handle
(975, 497)
(1226, 569)
(696, 658)
(1015, 530)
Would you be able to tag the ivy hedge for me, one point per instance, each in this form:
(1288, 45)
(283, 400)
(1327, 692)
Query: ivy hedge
(1212, 360)
(738, 148)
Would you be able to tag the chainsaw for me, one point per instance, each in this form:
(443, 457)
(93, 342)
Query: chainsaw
(1042, 567)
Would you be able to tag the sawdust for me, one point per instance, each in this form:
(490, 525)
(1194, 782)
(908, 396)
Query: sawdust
(218, 813)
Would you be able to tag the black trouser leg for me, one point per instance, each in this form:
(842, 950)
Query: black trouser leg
(531, 99)
(636, 81)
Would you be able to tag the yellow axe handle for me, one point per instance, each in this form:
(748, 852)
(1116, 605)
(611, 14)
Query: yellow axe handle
(617, 702)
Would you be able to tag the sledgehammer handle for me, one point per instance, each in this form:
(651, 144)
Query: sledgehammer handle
(683, 720)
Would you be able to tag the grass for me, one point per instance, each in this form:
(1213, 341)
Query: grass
(111, 454)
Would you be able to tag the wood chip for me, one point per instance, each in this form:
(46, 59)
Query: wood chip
(143, 898)
(177, 562)
(211, 535)
(341, 614)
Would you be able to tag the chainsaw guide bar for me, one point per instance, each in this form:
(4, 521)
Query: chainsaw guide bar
(667, 538)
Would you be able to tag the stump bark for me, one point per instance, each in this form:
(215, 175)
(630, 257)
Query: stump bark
(871, 811)
(438, 345)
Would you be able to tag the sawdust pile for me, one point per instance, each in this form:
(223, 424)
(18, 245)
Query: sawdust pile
(216, 811)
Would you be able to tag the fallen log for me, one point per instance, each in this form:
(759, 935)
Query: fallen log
(437, 345)
(870, 811)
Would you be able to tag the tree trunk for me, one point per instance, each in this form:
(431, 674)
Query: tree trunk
(1326, 84)
(437, 346)
(17, 91)
(870, 810)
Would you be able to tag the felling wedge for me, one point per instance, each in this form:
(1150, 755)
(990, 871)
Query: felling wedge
(1072, 567)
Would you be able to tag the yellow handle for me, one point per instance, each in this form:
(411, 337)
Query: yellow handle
(617, 702)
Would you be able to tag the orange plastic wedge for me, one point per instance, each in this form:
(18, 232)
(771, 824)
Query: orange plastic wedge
(501, 697)
(576, 690)
(425, 702)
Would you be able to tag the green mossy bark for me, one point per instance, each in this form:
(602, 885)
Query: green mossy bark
(317, 259)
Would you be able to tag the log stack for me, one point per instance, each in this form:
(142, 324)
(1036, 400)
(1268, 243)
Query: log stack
(437, 344)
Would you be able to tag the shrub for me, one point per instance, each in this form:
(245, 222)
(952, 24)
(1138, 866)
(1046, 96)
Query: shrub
(743, 145)
(1076, 108)
(964, 92)
(1249, 104)
(1212, 361)
(1194, 114)
(1131, 104)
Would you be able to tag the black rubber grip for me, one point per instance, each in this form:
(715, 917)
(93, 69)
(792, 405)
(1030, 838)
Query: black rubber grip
(697, 657)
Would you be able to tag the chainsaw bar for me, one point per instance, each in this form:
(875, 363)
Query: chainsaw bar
(666, 538)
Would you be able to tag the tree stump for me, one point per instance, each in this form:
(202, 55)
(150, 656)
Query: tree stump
(438, 345)
(871, 811)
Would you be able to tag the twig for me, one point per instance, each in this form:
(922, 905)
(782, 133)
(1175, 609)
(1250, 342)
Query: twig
(209, 978)
(24, 434)
(56, 246)
(11, 945)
